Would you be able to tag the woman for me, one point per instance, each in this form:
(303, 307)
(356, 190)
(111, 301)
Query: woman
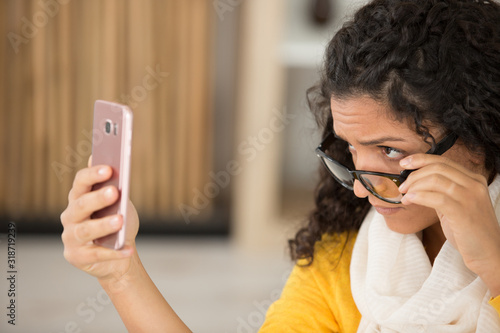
(409, 86)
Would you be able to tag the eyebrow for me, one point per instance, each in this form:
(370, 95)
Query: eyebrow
(376, 142)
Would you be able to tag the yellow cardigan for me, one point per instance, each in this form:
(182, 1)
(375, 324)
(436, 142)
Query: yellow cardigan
(318, 298)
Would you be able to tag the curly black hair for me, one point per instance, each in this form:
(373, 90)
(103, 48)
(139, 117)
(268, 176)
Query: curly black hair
(432, 62)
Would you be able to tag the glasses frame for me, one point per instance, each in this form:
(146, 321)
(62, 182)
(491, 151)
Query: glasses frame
(440, 148)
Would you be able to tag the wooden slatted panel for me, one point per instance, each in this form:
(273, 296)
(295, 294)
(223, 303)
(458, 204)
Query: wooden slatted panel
(164, 19)
(65, 93)
(53, 193)
(180, 76)
(14, 103)
(19, 135)
(4, 5)
(85, 50)
(199, 78)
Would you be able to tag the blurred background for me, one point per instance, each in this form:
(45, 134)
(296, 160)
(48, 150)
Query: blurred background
(223, 163)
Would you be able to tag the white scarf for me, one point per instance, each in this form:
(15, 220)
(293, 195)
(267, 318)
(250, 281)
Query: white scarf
(397, 290)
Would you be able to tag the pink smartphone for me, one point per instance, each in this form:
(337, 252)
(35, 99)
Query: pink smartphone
(111, 145)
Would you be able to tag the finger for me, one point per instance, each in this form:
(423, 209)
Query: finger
(86, 178)
(418, 161)
(97, 254)
(448, 197)
(437, 175)
(458, 220)
(93, 229)
(431, 199)
(440, 170)
(80, 209)
(89, 162)
(87, 257)
(435, 183)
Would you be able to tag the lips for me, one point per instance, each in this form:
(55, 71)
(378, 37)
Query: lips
(387, 210)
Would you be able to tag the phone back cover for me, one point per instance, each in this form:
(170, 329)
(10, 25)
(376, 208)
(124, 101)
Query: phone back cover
(112, 149)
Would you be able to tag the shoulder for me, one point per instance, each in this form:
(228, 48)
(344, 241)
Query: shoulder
(333, 251)
(331, 269)
(332, 259)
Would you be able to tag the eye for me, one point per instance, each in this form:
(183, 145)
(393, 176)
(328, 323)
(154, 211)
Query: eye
(351, 147)
(392, 153)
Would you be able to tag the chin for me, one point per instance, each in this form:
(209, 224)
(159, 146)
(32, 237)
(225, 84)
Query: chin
(397, 225)
(411, 220)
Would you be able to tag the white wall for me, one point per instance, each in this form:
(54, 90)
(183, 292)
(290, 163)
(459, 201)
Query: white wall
(302, 54)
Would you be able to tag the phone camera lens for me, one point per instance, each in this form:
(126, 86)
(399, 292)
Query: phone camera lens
(107, 127)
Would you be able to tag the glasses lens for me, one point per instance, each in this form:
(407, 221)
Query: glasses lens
(382, 186)
(340, 173)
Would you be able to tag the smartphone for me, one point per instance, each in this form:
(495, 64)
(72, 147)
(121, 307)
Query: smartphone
(111, 145)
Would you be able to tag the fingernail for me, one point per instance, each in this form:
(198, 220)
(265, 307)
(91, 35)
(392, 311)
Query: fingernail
(108, 193)
(102, 171)
(402, 187)
(405, 161)
(409, 196)
(114, 221)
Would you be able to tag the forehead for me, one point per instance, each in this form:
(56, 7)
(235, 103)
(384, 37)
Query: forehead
(364, 115)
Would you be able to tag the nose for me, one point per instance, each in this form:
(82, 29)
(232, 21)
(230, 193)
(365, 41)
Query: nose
(359, 190)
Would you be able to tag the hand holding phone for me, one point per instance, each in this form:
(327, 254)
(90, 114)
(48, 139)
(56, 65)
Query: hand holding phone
(112, 141)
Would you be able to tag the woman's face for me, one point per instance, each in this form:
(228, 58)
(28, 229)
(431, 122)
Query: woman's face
(377, 142)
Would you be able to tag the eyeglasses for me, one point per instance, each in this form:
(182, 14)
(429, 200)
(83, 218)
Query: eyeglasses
(384, 186)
